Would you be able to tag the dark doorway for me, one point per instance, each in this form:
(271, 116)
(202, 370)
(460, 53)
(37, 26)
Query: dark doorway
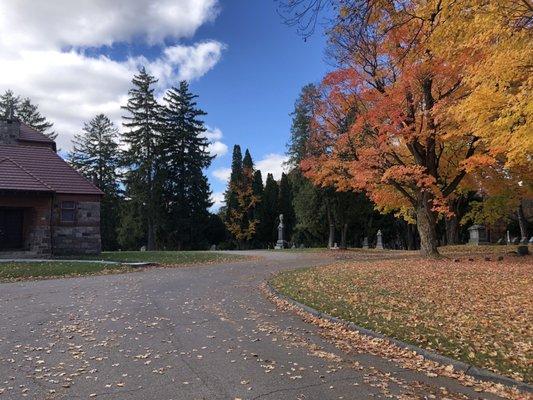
(11, 229)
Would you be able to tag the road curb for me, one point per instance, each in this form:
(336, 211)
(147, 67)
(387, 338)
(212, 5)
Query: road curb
(468, 369)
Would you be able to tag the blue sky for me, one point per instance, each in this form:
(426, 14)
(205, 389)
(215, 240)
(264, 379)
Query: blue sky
(251, 91)
(247, 66)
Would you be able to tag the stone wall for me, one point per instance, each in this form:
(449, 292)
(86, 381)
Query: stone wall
(9, 131)
(82, 236)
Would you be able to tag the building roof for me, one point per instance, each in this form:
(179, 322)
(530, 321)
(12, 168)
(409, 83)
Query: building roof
(28, 134)
(14, 177)
(40, 169)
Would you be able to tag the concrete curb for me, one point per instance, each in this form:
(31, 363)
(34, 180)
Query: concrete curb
(51, 260)
(468, 369)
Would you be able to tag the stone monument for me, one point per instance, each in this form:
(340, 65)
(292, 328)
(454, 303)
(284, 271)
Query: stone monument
(280, 244)
(365, 243)
(379, 242)
(477, 234)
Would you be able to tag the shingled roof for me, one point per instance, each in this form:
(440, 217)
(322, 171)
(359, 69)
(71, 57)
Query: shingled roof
(32, 168)
(28, 134)
(14, 177)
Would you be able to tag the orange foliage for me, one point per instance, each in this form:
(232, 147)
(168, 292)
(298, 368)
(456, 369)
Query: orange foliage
(389, 121)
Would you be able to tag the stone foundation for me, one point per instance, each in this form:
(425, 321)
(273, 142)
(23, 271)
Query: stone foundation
(81, 237)
(39, 241)
(76, 240)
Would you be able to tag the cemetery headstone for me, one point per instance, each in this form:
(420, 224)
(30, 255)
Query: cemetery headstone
(365, 243)
(477, 235)
(379, 243)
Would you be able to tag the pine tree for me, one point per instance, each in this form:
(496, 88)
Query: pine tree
(29, 114)
(311, 214)
(142, 155)
(241, 200)
(185, 156)
(285, 206)
(236, 175)
(258, 190)
(95, 155)
(311, 210)
(300, 127)
(9, 104)
(269, 204)
(26, 111)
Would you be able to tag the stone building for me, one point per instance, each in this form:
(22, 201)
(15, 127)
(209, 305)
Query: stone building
(46, 207)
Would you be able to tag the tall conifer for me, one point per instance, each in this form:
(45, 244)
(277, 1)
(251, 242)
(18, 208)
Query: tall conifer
(95, 155)
(185, 156)
(26, 111)
(269, 205)
(142, 156)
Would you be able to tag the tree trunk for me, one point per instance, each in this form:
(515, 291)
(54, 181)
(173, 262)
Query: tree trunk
(426, 224)
(452, 230)
(344, 234)
(522, 222)
(411, 239)
(452, 223)
(151, 236)
(331, 238)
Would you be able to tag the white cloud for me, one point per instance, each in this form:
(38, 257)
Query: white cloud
(92, 23)
(222, 174)
(195, 60)
(71, 86)
(216, 147)
(272, 163)
(213, 134)
(218, 201)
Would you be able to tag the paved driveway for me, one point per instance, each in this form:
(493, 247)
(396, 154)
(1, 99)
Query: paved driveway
(203, 332)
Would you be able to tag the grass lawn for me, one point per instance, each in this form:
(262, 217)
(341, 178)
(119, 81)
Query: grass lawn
(480, 312)
(167, 257)
(10, 271)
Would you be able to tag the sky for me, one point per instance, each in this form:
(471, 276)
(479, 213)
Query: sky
(77, 59)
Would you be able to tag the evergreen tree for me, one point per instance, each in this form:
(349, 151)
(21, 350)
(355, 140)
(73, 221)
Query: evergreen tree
(95, 156)
(311, 218)
(269, 216)
(247, 161)
(9, 104)
(29, 114)
(26, 111)
(142, 156)
(301, 119)
(185, 156)
(242, 201)
(258, 189)
(236, 176)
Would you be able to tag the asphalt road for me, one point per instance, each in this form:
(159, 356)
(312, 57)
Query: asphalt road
(204, 332)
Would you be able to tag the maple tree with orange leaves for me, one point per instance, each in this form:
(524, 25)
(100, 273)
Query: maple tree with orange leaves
(391, 119)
